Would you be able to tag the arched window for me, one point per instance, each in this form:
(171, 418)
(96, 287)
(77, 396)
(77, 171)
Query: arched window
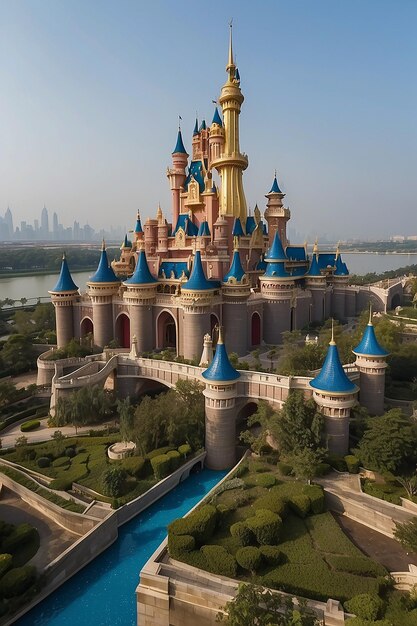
(256, 329)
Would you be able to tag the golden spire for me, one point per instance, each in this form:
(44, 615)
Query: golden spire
(220, 330)
(370, 314)
(64, 256)
(316, 246)
(337, 251)
(103, 245)
(230, 63)
(235, 244)
(332, 341)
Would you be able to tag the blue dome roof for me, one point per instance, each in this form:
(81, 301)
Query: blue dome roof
(236, 270)
(369, 344)
(332, 376)
(179, 146)
(314, 269)
(237, 228)
(276, 251)
(104, 273)
(275, 187)
(65, 282)
(142, 274)
(216, 118)
(138, 227)
(198, 280)
(220, 368)
(204, 230)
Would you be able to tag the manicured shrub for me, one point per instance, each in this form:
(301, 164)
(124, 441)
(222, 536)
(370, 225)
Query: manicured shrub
(322, 469)
(178, 544)
(16, 581)
(355, 565)
(61, 461)
(185, 449)
(284, 468)
(220, 561)
(161, 466)
(20, 535)
(158, 451)
(61, 484)
(241, 470)
(316, 496)
(5, 528)
(266, 480)
(175, 458)
(352, 464)
(200, 524)
(272, 502)
(300, 505)
(266, 526)
(70, 452)
(26, 427)
(113, 481)
(265, 449)
(223, 513)
(272, 555)
(135, 466)
(242, 498)
(43, 462)
(365, 606)
(249, 558)
(196, 559)
(6, 561)
(257, 466)
(242, 533)
(337, 462)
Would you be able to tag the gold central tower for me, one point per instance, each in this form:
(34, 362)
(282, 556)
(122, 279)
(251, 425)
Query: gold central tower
(232, 162)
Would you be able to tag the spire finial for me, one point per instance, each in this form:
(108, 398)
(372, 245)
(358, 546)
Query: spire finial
(64, 256)
(332, 341)
(103, 245)
(230, 43)
(337, 250)
(316, 246)
(370, 314)
(179, 122)
(275, 172)
(220, 338)
(235, 244)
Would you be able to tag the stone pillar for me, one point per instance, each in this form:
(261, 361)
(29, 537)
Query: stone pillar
(64, 315)
(141, 326)
(372, 382)
(196, 324)
(220, 408)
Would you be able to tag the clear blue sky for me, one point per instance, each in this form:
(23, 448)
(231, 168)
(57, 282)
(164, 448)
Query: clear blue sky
(90, 92)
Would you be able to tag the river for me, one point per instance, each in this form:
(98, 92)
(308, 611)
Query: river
(38, 286)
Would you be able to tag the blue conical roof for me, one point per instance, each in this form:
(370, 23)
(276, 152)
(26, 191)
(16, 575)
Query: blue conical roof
(195, 131)
(104, 273)
(138, 227)
(179, 146)
(203, 125)
(332, 376)
(276, 251)
(216, 118)
(314, 269)
(237, 75)
(275, 187)
(276, 270)
(237, 228)
(142, 274)
(126, 243)
(236, 270)
(341, 269)
(220, 368)
(198, 280)
(369, 345)
(64, 282)
(204, 230)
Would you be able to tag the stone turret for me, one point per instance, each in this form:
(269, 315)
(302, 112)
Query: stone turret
(102, 287)
(276, 214)
(63, 296)
(139, 296)
(236, 291)
(220, 406)
(316, 282)
(340, 280)
(216, 137)
(207, 354)
(371, 361)
(177, 175)
(335, 394)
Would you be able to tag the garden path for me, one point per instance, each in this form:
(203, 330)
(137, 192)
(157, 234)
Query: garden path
(44, 433)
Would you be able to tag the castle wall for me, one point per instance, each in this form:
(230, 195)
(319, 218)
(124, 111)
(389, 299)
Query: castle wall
(220, 425)
(103, 323)
(142, 326)
(195, 326)
(372, 389)
(318, 304)
(302, 310)
(337, 434)
(64, 324)
(350, 302)
(235, 321)
(276, 320)
(338, 303)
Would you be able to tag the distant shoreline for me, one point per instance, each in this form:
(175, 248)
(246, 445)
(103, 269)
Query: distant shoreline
(17, 274)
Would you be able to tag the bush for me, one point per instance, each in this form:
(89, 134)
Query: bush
(266, 480)
(284, 468)
(161, 466)
(16, 581)
(5, 528)
(6, 561)
(61, 461)
(158, 452)
(30, 425)
(257, 466)
(355, 565)
(175, 459)
(20, 535)
(249, 558)
(300, 505)
(241, 470)
(365, 606)
(220, 561)
(134, 465)
(272, 555)
(44, 461)
(178, 544)
(112, 481)
(352, 464)
(61, 484)
(70, 452)
(337, 462)
(266, 526)
(242, 533)
(316, 496)
(322, 469)
(274, 502)
(200, 524)
(185, 449)
(223, 513)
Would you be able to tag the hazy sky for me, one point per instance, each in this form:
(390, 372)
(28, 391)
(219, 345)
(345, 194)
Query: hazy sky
(90, 91)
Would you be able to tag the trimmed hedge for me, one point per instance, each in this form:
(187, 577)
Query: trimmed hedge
(61, 484)
(175, 459)
(26, 427)
(242, 533)
(16, 417)
(365, 606)
(161, 465)
(300, 505)
(352, 464)
(61, 461)
(220, 561)
(316, 496)
(20, 535)
(16, 581)
(43, 462)
(200, 524)
(158, 451)
(266, 480)
(284, 468)
(178, 544)
(6, 561)
(336, 461)
(272, 555)
(249, 558)
(185, 449)
(356, 565)
(266, 526)
(70, 452)
(134, 465)
(322, 469)
(274, 502)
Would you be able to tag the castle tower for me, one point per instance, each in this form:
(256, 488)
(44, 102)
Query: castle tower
(220, 406)
(63, 296)
(138, 229)
(177, 175)
(316, 282)
(198, 298)
(371, 362)
(340, 280)
(335, 394)
(231, 163)
(216, 137)
(162, 232)
(102, 286)
(139, 296)
(277, 289)
(276, 214)
(236, 291)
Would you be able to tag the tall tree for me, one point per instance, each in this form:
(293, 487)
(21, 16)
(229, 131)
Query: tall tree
(298, 425)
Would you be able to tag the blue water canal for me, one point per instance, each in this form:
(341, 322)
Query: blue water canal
(103, 593)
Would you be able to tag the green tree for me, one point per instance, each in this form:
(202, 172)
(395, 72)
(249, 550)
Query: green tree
(7, 392)
(298, 425)
(255, 606)
(18, 354)
(59, 439)
(389, 443)
(126, 417)
(406, 534)
(262, 419)
(304, 462)
(113, 481)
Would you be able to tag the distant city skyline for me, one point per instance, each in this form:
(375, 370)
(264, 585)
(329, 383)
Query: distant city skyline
(91, 95)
